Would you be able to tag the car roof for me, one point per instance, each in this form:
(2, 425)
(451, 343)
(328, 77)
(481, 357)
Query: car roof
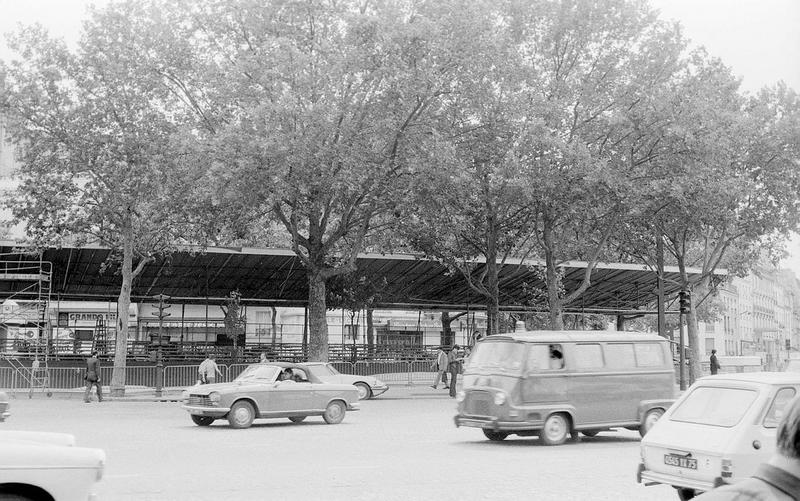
(756, 377)
(574, 336)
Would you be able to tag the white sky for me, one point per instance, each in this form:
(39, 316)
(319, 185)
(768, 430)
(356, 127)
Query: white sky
(759, 39)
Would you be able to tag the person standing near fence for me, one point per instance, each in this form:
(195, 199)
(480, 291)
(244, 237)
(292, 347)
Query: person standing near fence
(440, 366)
(208, 370)
(92, 378)
(454, 365)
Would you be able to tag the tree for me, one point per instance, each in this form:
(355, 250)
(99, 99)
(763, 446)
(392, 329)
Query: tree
(93, 129)
(235, 319)
(722, 191)
(320, 109)
(356, 292)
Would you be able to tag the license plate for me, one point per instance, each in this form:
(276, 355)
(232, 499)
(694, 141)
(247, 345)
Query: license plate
(680, 461)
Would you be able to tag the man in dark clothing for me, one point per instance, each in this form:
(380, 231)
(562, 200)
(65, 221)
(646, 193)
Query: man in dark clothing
(714, 362)
(454, 366)
(92, 378)
(779, 478)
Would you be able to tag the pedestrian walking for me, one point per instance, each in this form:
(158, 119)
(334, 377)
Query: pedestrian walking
(440, 366)
(454, 365)
(779, 478)
(208, 370)
(92, 378)
(714, 362)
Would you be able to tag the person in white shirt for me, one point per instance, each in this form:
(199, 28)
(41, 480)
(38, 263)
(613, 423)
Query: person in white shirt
(440, 366)
(208, 370)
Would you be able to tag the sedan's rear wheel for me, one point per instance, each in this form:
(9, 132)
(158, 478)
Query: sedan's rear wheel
(334, 413)
(241, 414)
(364, 391)
(202, 420)
(297, 419)
(495, 435)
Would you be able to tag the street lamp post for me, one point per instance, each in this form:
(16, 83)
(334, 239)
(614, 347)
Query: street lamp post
(161, 314)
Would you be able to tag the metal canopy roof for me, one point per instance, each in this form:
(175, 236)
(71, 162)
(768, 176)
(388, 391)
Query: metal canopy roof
(276, 277)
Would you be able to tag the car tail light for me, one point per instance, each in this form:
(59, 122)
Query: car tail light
(727, 468)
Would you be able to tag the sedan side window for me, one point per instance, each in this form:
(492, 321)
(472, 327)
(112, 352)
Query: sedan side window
(775, 412)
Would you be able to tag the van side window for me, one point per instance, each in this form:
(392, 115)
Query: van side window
(775, 412)
(555, 356)
(588, 356)
(538, 358)
(649, 354)
(620, 356)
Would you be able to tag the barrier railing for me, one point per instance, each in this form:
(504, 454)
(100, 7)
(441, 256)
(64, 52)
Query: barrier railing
(181, 376)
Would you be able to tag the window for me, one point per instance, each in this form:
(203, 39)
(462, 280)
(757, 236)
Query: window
(539, 358)
(775, 413)
(620, 356)
(649, 354)
(588, 356)
(715, 406)
(502, 355)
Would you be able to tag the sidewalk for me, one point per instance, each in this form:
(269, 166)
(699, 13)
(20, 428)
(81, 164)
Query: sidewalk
(173, 394)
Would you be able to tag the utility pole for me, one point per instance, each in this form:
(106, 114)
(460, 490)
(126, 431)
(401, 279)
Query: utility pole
(685, 300)
(161, 314)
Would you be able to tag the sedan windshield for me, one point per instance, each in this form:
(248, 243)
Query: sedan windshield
(714, 406)
(259, 372)
(322, 370)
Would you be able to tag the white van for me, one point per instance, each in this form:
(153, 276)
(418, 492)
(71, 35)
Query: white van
(718, 432)
(557, 383)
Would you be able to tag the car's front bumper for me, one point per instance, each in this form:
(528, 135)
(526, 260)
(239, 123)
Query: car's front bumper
(648, 477)
(215, 412)
(495, 424)
(379, 390)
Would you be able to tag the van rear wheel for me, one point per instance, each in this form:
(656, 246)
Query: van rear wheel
(685, 494)
(495, 435)
(556, 429)
(649, 420)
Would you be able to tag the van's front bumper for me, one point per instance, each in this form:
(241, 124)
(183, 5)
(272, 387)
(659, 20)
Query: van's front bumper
(648, 477)
(495, 424)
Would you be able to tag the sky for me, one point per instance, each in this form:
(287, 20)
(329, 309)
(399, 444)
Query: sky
(758, 39)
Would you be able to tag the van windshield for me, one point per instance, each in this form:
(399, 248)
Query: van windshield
(502, 356)
(714, 406)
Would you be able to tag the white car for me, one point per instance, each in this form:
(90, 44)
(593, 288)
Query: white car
(39, 465)
(718, 431)
(368, 386)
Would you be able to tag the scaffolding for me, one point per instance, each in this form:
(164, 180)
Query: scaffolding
(25, 286)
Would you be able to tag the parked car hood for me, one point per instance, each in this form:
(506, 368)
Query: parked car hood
(38, 437)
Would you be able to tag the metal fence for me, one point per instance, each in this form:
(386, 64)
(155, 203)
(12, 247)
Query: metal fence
(181, 376)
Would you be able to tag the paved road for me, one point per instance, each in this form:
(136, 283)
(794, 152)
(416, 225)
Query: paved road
(400, 446)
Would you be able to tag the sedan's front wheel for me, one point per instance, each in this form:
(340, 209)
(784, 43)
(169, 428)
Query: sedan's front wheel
(241, 415)
(202, 420)
(334, 413)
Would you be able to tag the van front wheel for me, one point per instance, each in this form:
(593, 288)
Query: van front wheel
(556, 429)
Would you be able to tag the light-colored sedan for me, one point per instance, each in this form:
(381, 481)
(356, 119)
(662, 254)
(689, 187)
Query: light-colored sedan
(367, 386)
(264, 391)
(38, 465)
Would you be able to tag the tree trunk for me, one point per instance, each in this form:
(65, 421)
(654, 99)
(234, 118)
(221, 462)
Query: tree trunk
(123, 304)
(493, 301)
(317, 321)
(447, 331)
(274, 325)
(370, 332)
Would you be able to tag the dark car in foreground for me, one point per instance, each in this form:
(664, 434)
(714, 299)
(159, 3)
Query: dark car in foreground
(367, 386)
(261, 392)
